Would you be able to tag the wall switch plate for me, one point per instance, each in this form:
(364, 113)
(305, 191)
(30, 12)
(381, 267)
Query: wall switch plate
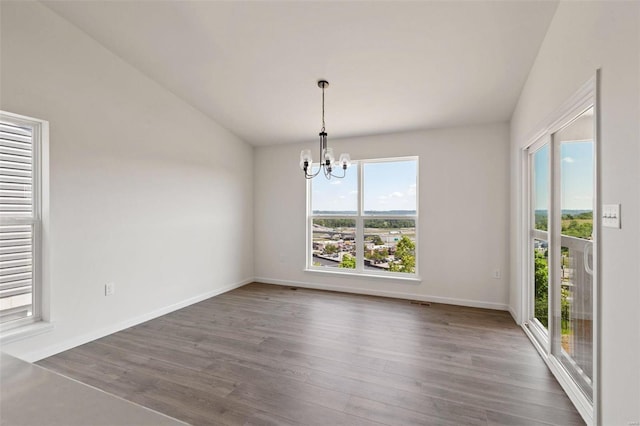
(109, 289)
(611, 216)
(497, 274)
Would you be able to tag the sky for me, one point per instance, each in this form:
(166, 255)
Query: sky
(576, 174)
(387, 186)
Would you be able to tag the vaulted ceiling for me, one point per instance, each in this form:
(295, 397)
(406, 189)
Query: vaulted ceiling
(392, 66)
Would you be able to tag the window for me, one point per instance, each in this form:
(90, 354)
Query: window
(365, 223)
(20, 219)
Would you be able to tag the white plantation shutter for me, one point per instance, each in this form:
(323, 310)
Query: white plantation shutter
(19, 219)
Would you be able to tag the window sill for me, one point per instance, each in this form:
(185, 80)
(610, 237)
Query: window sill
(24, 332)
(413, 279)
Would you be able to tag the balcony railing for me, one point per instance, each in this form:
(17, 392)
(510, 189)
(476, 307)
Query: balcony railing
(577, 307)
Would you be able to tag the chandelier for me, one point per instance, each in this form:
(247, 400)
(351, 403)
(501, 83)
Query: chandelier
(327, 160)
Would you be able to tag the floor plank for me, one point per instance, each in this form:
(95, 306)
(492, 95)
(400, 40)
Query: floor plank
(267, 355)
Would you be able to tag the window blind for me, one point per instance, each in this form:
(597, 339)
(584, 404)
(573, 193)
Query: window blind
(17, 221)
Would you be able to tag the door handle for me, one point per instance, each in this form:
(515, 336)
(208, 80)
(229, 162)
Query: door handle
(588, 248)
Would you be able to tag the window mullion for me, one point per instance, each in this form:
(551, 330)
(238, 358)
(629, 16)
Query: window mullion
(360, 223)
(359, 244)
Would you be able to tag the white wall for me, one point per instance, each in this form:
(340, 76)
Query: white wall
(463, 222)
(146, 192)
(585, 36)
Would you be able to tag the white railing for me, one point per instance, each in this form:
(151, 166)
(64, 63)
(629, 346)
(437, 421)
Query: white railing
(577, 314)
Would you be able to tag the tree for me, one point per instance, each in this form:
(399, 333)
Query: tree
(541, 220)
(577, 229)
(405, 255)
(541, 276)
(541, 287)
(377, 255)
(376, 240)
(330, 249)
(348, 262)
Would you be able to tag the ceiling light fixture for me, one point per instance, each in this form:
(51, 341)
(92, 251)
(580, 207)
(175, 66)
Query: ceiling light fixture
(327, 160)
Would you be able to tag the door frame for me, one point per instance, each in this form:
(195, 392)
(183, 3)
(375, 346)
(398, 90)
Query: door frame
(587, 96)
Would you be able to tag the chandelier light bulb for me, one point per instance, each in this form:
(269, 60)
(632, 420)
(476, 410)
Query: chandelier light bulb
(305, 159)
(328, 156)
(345, 161)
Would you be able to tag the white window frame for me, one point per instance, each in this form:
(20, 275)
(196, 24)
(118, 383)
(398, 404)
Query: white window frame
(34, 324)
(359, 218)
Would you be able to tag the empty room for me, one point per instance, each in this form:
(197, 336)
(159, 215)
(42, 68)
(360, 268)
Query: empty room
(319, 212)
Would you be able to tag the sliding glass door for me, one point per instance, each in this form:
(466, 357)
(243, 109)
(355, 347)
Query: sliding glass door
(574, 320)
(560, 243)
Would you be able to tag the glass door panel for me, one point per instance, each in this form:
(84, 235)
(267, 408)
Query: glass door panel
(540, 190)
(576, 185)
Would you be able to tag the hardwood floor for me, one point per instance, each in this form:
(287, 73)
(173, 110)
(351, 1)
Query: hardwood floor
(267, 355)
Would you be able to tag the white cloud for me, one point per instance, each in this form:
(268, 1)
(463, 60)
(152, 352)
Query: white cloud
(396, 195)
(335, 182)
(568, 160)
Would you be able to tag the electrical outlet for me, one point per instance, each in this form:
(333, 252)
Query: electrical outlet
(497, 274)
(109, 289)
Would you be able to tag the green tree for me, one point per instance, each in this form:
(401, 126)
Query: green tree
(541, 220)
(574, 228)
(348, 262)
(377, 255)
(330, 249)
(376, 240)
(390, 223)
(541, 287)
(406, 255)
(335, 223)
(541, 275)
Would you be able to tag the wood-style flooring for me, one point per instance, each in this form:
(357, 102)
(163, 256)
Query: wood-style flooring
(271, 355)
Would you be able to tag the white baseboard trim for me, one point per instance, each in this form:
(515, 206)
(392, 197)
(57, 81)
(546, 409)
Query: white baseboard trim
(48, 351)
(513, 315)
(105, 331)
(385, 293)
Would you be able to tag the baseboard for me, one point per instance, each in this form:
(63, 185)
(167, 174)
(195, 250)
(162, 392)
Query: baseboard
(385, 293)
(105, 331)
(513, 314)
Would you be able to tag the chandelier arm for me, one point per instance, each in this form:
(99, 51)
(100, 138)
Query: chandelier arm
(344, 173)
(312, 175)
(327, 173)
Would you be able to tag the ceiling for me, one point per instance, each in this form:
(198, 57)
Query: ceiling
(392, 66)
